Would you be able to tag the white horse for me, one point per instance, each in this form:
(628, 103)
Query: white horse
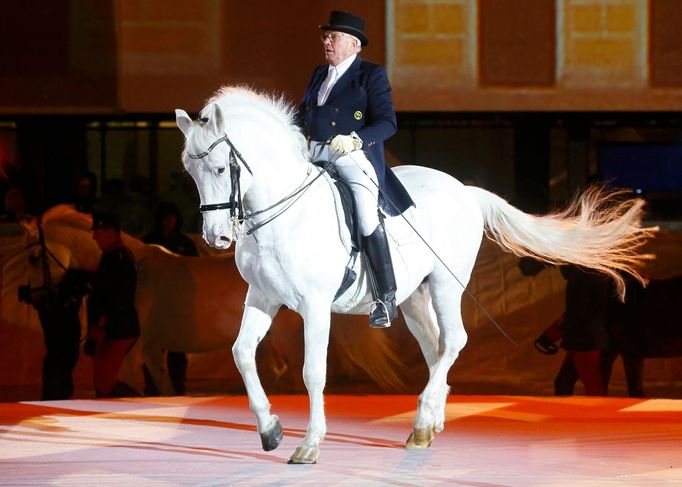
(292, 247)
(191, 304)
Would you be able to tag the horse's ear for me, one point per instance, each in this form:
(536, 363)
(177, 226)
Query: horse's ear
(30, 227)
(219, 124)
(183, 120)
(215, 119)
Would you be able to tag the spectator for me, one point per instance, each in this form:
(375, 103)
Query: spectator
(168, 231)
(58, 306)
(15, 208)
(86, 193)
(582, 330)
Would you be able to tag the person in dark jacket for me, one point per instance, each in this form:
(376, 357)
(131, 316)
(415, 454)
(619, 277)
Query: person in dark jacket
(113, 325)
(168, 231)
(58, 306)
(346, 115)
(86, 193)
(582, 330)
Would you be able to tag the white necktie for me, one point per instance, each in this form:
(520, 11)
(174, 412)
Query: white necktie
(327, 86)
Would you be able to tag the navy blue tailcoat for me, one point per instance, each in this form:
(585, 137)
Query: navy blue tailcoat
(361, 102)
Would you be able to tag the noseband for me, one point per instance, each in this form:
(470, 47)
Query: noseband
(235, 205)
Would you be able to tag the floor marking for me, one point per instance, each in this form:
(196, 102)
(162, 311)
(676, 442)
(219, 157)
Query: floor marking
(655, 405)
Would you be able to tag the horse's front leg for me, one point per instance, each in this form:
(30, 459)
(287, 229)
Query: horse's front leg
(316, 323)
(256, 321)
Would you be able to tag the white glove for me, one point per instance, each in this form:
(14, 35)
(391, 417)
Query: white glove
(345, 144)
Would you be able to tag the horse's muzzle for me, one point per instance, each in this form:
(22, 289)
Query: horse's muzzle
(219, 240)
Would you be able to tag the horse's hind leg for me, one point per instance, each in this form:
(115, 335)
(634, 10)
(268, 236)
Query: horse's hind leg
(256, 321)
(421, 321)
(154, 360)
(420, 318)
(446, 306)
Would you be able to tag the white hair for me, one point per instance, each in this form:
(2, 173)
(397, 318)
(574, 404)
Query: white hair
(358, 44)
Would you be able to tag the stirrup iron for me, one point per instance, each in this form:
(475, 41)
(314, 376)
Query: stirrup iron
(382, 313)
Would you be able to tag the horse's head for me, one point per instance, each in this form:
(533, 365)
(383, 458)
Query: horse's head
(64, 225)
(221, 174)
(239, 121)
(46, 264)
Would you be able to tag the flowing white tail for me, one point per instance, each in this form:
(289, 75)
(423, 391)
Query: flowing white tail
(593, 232)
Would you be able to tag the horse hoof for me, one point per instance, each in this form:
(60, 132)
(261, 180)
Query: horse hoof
(420, 438)
(271, 438)
(304, 455)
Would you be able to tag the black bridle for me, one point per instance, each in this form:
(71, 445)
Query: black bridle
(45, 256)
(236, 204)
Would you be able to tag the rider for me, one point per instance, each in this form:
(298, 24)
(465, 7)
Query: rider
(348, 104)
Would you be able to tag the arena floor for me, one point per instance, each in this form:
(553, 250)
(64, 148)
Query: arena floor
(211, 441)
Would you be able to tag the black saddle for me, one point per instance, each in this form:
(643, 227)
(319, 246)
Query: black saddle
(350, 218)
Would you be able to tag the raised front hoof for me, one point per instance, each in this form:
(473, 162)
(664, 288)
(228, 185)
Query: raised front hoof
(271, 438)
(420, 438)
(304, 455)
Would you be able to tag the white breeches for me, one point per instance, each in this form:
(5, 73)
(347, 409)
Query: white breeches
(356, 170)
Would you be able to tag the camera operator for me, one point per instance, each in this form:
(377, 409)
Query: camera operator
(58, 308)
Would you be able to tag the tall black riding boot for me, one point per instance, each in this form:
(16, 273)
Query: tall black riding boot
(382, 279)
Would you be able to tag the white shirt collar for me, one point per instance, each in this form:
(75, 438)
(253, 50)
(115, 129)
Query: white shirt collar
(343, 67)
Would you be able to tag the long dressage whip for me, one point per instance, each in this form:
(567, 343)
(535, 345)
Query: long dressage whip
(469, 293)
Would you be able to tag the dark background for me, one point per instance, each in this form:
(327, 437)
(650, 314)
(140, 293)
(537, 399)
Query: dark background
(93, 85)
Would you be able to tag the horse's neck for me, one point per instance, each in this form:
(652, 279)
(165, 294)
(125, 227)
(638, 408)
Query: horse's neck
(279, 180)
(295, 217)
(139, 249)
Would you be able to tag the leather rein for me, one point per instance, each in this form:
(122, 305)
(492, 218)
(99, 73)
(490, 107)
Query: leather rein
(236, 203)
(44, 257)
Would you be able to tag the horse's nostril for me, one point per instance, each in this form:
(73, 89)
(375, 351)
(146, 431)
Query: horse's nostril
(226, 239)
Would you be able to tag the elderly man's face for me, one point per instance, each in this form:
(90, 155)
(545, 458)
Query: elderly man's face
(338, 46)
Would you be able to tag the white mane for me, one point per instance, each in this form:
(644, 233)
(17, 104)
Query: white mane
(241, 99)
(67, 213)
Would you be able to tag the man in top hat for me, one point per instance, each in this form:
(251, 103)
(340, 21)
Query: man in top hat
(346, 114)
(113, 325)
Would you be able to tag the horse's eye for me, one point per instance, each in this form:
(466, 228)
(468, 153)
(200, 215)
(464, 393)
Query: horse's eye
(220, 170)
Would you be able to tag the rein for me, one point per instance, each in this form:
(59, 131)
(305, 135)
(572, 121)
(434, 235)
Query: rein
(44, 254)
(299, 192)
(236, 205)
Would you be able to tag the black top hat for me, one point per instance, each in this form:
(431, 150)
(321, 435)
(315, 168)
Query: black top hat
(102, 219)
(348, 23)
